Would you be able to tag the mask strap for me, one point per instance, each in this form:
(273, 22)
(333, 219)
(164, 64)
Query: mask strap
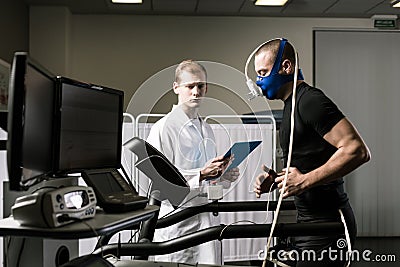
(254, 52)
(278, 59)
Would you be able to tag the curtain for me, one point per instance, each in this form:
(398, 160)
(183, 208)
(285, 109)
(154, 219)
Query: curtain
(241, 190)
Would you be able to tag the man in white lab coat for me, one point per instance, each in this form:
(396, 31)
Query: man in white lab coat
(189, 143)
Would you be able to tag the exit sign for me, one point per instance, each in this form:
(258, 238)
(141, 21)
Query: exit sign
(385, 21)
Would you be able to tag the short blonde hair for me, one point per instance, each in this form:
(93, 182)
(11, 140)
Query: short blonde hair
(191, 66)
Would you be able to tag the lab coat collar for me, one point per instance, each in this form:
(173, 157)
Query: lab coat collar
(178, 112)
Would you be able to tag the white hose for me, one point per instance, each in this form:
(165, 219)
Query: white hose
(276, 214)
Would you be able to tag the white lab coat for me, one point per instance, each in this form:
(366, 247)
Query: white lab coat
(189, 145)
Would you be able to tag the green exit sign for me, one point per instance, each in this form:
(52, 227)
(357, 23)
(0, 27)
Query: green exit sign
(385, 23)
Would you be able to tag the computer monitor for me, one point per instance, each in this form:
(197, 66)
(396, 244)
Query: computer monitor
(30, 121)
(89, 130)
(58, 126)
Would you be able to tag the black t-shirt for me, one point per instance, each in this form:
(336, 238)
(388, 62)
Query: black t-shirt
(315, 116)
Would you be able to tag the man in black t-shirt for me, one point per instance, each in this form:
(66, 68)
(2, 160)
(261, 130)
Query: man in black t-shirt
(326, 147)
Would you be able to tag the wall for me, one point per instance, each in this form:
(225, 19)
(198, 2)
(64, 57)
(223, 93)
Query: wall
(49, 28)
(366, 95)
(14, 21)
(124, 51)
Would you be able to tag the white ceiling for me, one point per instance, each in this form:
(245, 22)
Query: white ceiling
(294, 8)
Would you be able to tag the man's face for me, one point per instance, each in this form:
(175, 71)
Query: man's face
(191, 88)
(263, 63)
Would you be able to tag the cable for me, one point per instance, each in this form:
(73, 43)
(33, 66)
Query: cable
(220, 252)
(141, 223)
(266, 219)
(132, 236)
(127, 177)
(26, 184)
(130, 176)
(124, 158)
(148, 189)
(288, 160)
(67, 217)
(95, 232)
(223, 229)
(268, 201)
(346, 233)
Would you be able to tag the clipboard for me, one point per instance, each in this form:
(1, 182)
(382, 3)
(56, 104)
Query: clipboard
(240, 150)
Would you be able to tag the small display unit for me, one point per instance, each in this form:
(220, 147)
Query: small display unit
(55, 207)
(114, 194)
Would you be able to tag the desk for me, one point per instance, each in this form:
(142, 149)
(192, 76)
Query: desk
(102, 223)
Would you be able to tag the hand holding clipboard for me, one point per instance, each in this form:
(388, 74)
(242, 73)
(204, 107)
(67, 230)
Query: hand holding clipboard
(240, 150)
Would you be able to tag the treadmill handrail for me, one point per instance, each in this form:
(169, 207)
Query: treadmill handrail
(233, 206)
(219, 233)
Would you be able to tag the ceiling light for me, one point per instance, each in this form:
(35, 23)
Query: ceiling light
(396, 3)
(126, 1)
(271, 2)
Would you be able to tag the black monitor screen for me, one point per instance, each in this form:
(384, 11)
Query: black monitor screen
(38, 121)
(90, 126)
(30, 121)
